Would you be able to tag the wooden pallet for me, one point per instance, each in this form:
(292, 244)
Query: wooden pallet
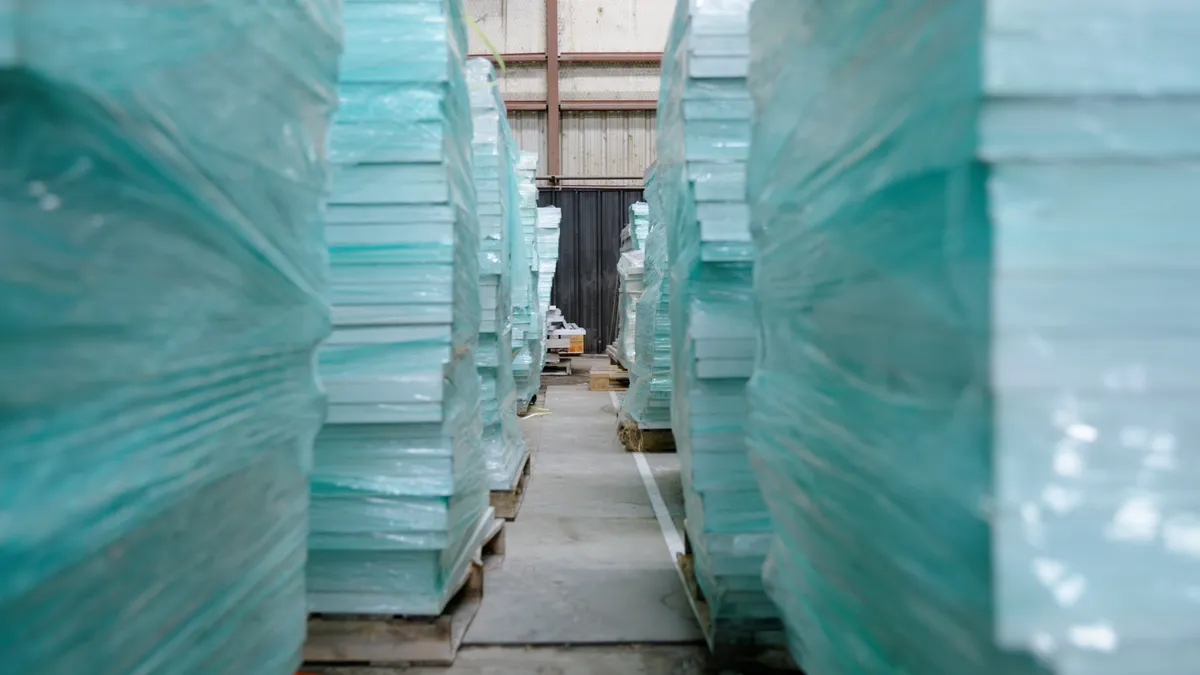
(524, 406)
(742, 656)
(559, 366)
(402, 640)
(636, 439)
(508, 502)
(612, 378)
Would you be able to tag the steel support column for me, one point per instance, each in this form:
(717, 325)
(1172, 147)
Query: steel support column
(553, 112)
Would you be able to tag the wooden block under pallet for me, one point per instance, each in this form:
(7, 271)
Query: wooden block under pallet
(740, 654)
(508, 502)
(636, 439)
(402, 640)
(524, 406)
(612, 378)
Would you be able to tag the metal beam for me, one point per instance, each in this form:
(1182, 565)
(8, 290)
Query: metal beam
(577, 57)
(553, 113)
(609, 105)
(611, 57)
(511, 105)
(581, 186)
(579, 105)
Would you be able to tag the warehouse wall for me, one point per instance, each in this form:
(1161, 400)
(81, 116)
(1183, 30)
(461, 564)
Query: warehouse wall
(610, 144)
(605, 144)
(586, 284)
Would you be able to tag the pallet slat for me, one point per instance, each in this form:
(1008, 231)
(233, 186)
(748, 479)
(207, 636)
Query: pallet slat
(612, 378)
(773, 658)
(393, 640)
(635, 439)
(508, 502)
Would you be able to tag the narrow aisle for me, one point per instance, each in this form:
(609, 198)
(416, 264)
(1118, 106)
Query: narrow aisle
(586, 561)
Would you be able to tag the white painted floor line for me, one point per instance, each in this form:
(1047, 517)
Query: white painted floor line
(670, 534)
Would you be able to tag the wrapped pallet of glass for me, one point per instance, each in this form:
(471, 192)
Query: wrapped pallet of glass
(649, 401)
(630, 267)
(162, 274)
(548, 220)
(639, 224)
(703, 140)
(400, 486)
(503, 444)
(975, 241)
(528, 324)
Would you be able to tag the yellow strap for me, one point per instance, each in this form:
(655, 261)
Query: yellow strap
(487, 43)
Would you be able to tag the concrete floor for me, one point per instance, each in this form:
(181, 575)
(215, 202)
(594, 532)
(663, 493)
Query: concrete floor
(582, 660)
(587, 562)
(588, 585)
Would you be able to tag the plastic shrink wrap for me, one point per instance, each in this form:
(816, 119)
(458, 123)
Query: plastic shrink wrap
(400, 486)
(529, 321)
(703, 140)
(639, 224)
(495, 188)
(648, 403)
(630, 268)
(972, 412)
(630, 271)
(549, 218)
(161, 281)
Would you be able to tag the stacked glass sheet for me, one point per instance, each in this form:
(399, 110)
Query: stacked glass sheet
(548, 220)
(974, 414)
(639, 224)
(161, 282)
(703, 141)
(529, 321)
(400, 486)
(495, 188)
(630, 267)
(649, 401)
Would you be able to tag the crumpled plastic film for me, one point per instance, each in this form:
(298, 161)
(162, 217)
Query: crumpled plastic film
(494, 169)
(648, 403)
(703, 139)
(529, 320)
(400, 485)
(630, 269)
(971, 409)
(161, 297)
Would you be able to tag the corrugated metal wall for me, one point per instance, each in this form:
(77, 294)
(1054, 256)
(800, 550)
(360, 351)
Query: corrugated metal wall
(615, 146)
(586, 283)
